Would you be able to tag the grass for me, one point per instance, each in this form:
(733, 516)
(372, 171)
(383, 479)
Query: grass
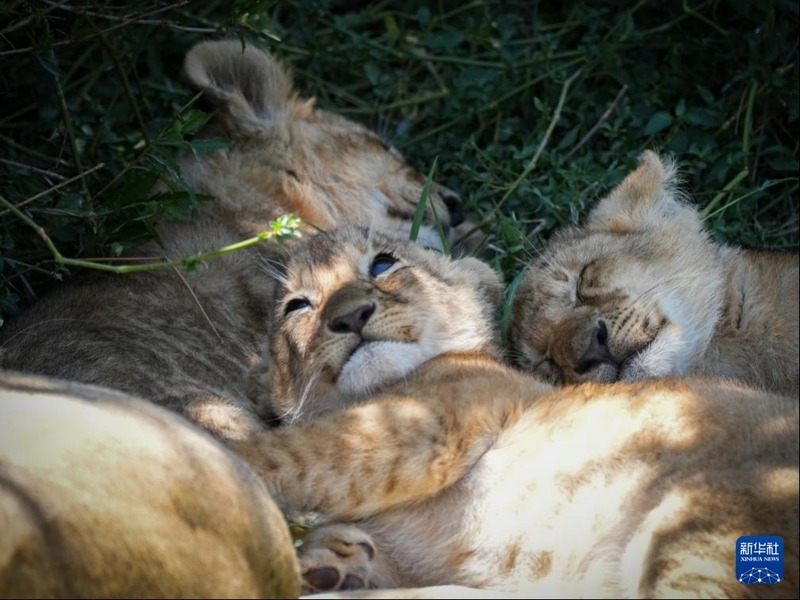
(530, 110)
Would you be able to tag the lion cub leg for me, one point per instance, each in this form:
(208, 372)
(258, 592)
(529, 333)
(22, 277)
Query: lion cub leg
(341, 556)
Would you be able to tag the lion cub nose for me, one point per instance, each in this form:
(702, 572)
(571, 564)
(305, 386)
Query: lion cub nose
(597, 352)
(353, 321)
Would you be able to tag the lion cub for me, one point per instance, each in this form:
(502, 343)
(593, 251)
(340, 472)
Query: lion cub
(641, 290)
(461, 470)
(186, 340)
(104, 495)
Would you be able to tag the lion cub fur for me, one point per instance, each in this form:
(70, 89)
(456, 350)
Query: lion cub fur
(642, 290)
(187, 340)
(460, 470)
(103, 495)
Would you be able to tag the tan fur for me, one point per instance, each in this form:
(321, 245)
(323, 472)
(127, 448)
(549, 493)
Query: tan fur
(186, 340)
(420, 306)
(641, 290)
(467, 472)
(103, 495)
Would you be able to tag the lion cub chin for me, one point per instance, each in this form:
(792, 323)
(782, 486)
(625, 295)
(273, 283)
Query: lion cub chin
(462, 471)
(641, 290)
(358, 309)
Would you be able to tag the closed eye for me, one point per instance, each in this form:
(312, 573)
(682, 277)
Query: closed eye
(381, 263)
(296, 304)
(578, 297)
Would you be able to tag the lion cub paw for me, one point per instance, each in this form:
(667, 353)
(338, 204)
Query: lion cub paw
(342, 557)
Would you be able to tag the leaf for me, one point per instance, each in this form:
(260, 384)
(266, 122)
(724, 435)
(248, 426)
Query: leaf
(784, 163)
(706, 117)
(420, 212)
(447, 40)
(475, 77)
(658, 122)
(705, 94)
(569, 138)
(48, 63)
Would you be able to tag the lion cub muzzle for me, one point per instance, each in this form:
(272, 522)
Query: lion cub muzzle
(597, 352)
(604, 345)
(349, 310)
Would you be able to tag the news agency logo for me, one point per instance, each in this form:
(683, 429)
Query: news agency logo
(759, 559)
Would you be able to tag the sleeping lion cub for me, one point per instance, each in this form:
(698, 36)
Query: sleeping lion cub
(185, 340)
(641, 290)
(461, 470)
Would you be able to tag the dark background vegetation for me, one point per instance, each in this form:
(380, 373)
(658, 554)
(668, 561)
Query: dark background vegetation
(531, 109)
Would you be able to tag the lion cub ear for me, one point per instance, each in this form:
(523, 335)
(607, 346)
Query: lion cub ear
(249, 88)
(649, 197)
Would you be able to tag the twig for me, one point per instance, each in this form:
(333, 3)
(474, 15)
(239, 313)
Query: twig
(604, 117)
(104, 31)
(10, 142)
(159, 22)
(126, 85)
(45, 172)
(62, 103)
(414, 100)
(690, 11)
(25, 20)
(53, 189)
(185, 262)
(532, 164)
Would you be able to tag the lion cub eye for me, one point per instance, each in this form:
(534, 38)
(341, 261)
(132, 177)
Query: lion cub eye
(582, 280)
(381, 264)
(296, 304)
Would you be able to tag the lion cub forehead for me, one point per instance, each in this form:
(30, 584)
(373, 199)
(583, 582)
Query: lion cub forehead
(328, 259)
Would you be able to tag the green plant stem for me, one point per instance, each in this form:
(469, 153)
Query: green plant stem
(603, 118)
(748, 117)
(413, 101)
(127, 86)
(419, 214)
(743, 196)
(706, 213)
(167, 264)
(62, 103)
(690, 11)
(532, 164)
(125, 23)
(55, 187)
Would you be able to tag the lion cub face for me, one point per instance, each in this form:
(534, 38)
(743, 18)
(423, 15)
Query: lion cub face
(359, 310)
(287, 155)
(633, 293)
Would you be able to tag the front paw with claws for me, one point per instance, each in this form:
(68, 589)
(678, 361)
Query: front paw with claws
(343, 557)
